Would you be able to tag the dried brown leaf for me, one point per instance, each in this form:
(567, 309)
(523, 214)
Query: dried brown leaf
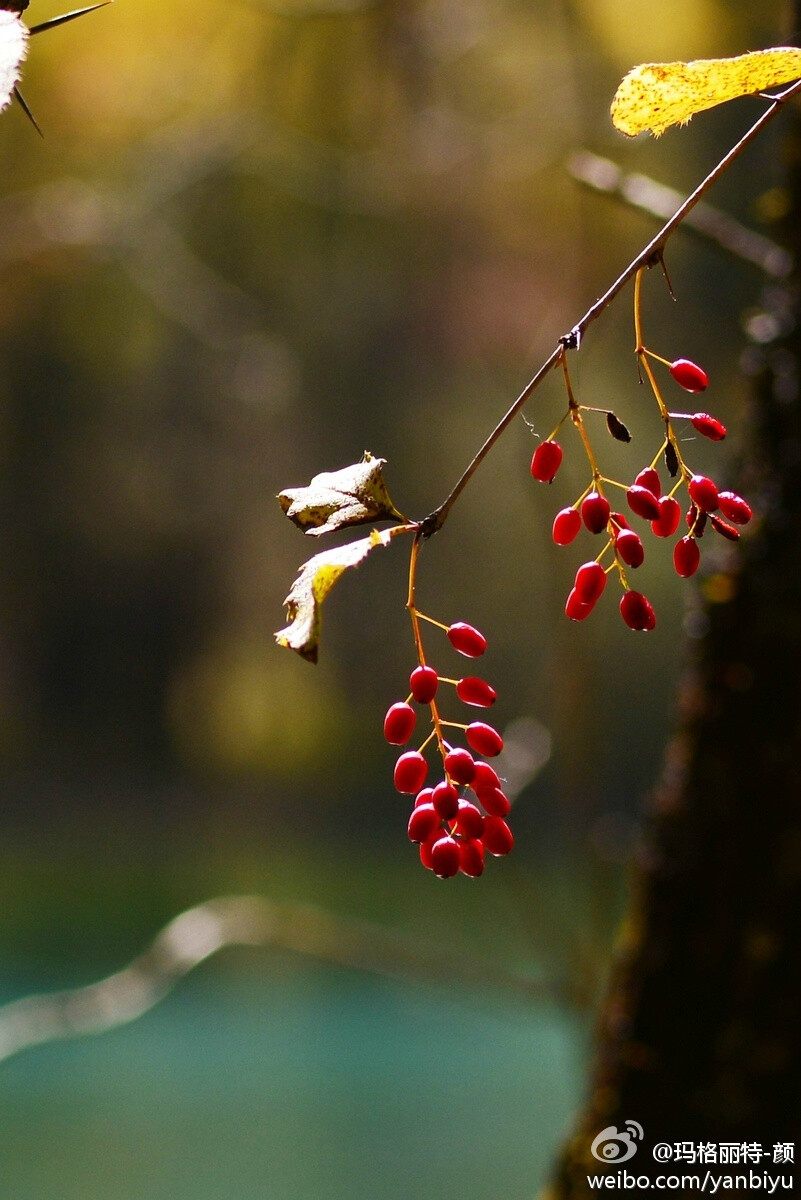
(355, 495)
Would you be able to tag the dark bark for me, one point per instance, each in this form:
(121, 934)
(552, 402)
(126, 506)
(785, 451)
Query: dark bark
(699, 1037)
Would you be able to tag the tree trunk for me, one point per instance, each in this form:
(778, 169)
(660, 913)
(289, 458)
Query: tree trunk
(699, 1037)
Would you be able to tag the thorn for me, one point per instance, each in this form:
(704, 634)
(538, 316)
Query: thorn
(23, 105)
(663, 265)
(70, 16)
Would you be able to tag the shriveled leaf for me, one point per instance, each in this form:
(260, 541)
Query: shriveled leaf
(13, 47)
(353, 496)
(617, 429)
(314, 582)
(671, 460)
(655, 96)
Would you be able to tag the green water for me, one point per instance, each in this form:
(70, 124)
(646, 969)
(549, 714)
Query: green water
(269, 1080)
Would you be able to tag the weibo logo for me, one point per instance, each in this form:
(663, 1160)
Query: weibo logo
(613, 1145)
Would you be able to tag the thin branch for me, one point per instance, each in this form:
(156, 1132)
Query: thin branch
(199, 932)
(650, 254)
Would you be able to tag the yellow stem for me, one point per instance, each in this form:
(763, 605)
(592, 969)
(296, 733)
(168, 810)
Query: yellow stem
(643, 356)
(559, 425)
(575, 416)
(638, 347)
(659, 453)
(430, 738)
(416, 617)
(658, 357)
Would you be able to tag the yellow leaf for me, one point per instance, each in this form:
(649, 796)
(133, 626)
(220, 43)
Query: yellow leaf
(314, 582)
(655, 96)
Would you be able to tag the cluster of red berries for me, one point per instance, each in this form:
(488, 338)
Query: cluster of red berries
(723, 510)
(453, 832)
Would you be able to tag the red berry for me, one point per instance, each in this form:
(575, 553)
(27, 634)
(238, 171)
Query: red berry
(686, 557)
(422, 823)
(484, 739)
(643, 502)
(667, 522)
(725, 529)
(497, 836)
(735, 508)
(460, 765)
(710, 427)
(410, 772)
(595, 512)
(649, 478)
(636, 611)
(494, 801)
(703, 493)
(426, 847)
(689, 375)
(477, 692)
(423, 684)
(445, 800)
(590, 582)
(576, 608)
(469, 821)
(445, 856)
(546, 461)
(485, 776)
(696, 522)
(630, 548)
(566, 525)
(619, 521)
(467, 640)
(424, 797)
(399, 724)
(471, 857)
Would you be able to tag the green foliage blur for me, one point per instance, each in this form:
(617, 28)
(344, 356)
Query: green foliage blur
(258, 239)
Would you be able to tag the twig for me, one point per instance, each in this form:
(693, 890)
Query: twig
(199, 932)
(649, 255)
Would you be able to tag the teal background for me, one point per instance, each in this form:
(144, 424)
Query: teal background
(277, 1080)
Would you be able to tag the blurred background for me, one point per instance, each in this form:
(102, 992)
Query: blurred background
(257, 239)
